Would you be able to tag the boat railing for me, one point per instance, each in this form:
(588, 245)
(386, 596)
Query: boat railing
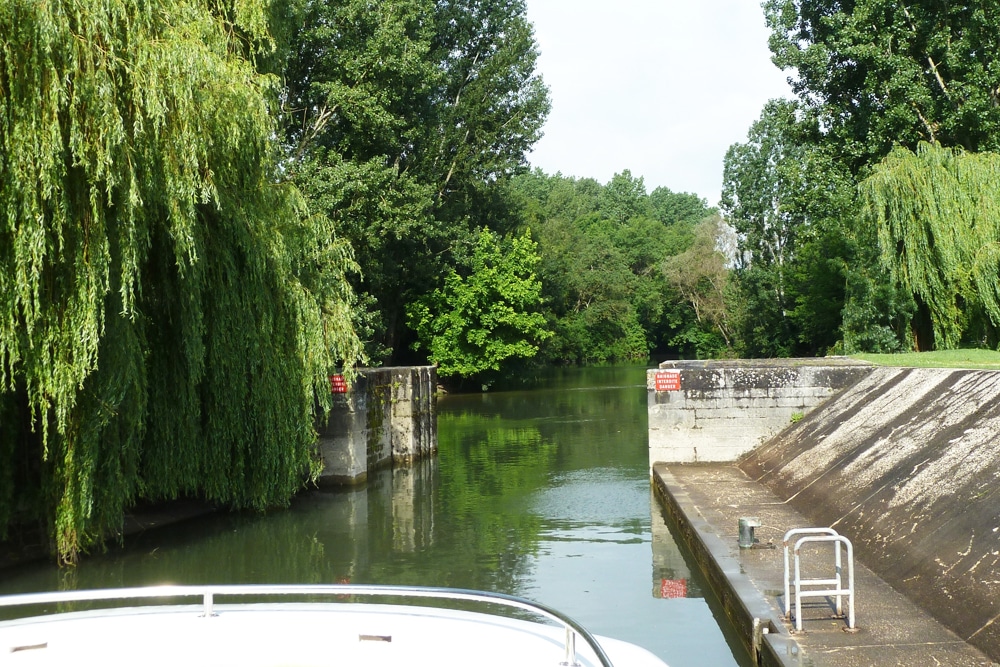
(334, 591)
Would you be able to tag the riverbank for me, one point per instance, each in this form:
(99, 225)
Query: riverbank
(705, 501)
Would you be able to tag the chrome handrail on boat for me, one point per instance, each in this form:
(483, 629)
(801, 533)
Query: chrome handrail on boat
(208, 594)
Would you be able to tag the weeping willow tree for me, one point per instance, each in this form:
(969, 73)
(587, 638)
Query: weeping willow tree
(169, 312)
(937, 212)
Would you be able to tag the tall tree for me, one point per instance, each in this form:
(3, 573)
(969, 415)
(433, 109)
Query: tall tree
(169, 312)
(792, 204)
(491, 107)
(359, 81)
(882, 72)
(474, 326)
(403, 120)
(702, 278)
(758, 178)
(624, 198)
(937, 212)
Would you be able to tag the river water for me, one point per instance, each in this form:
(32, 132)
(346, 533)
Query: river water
(542, 493)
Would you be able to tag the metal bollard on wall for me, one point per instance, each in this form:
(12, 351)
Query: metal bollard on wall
(747, 524)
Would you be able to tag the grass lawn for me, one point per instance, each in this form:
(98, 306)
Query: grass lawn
(941, 359)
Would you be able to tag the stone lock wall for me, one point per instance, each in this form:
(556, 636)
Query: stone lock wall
(388, 415)
(719, 410)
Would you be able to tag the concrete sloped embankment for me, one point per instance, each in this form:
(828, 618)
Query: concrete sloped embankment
(906, 463)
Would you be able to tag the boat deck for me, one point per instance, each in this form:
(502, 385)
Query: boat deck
(308, 626)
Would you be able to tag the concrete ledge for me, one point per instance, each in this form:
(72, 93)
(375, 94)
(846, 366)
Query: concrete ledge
(745, 607)
(704, 502)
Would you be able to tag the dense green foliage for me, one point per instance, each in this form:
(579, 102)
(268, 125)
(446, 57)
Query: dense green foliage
(788, 202)
(881, 72)
(699, 275)
(194, 192)
(603, 248)
(403, 120)
(474, 324)
(169, 312)
(938, 218)
(814, 276)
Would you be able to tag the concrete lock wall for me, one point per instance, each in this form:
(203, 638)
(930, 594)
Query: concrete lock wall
(906, 464)
(719, 410)
(388, 415)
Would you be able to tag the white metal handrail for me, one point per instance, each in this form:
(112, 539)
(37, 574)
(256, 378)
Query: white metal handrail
(334, 591)
(838, 591)
(786, 541)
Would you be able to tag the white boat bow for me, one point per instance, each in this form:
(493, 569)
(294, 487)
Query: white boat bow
(271, 626)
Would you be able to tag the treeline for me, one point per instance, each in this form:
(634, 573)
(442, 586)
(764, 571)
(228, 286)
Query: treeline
(860, 216)
(208, 207)
(589, 273)
(866, 208)
(624, 274)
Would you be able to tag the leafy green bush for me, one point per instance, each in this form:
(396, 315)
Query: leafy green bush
(473, 325)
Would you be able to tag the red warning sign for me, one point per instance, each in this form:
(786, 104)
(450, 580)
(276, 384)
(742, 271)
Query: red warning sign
(337, 384)
(668, 380)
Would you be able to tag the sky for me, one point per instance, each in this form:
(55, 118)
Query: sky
(659, 87)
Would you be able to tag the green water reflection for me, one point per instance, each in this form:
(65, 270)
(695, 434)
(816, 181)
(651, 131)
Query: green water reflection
(542, 493)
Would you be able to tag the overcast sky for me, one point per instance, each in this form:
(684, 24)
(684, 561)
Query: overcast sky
(659, 87)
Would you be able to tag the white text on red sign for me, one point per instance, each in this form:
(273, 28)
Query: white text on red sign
(337, 384)
(668, 380)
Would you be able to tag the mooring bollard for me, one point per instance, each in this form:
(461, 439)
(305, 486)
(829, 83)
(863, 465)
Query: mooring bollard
(747, 524)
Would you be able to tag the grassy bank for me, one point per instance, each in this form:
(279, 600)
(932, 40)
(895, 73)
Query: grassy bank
(984, 359)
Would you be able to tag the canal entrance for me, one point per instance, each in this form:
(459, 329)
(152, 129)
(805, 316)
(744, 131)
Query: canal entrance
(540, 492)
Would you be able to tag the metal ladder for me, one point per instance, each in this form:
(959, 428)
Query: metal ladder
(838, 590)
